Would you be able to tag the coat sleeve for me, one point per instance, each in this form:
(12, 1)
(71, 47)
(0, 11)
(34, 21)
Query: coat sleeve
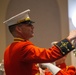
(31, 53)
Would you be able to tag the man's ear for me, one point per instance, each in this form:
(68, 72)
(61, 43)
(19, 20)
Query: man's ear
(18, 29)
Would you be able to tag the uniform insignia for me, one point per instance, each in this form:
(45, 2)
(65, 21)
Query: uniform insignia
(65, 46)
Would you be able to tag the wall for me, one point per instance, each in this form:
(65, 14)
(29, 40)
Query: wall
(46, 16)
(63, 5)
(3, 8)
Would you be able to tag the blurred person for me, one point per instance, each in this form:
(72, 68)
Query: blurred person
(60, 63)
(54, 70)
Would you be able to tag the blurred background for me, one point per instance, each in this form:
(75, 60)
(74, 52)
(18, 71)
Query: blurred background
(54, 19)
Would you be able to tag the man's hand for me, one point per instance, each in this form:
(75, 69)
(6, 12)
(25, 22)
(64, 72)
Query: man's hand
(72, 35)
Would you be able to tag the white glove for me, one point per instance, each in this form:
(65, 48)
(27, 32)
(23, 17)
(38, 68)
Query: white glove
(52, 68)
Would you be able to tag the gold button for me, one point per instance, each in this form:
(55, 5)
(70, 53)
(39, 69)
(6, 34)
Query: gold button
(68, 50)
(63, 52)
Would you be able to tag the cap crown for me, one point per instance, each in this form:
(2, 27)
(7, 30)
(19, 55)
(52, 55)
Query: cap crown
(21, 17)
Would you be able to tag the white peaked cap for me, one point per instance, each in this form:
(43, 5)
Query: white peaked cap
(52, 68)
(21, 17)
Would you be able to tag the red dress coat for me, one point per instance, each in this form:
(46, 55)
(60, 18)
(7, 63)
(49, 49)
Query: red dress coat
(21, 58)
